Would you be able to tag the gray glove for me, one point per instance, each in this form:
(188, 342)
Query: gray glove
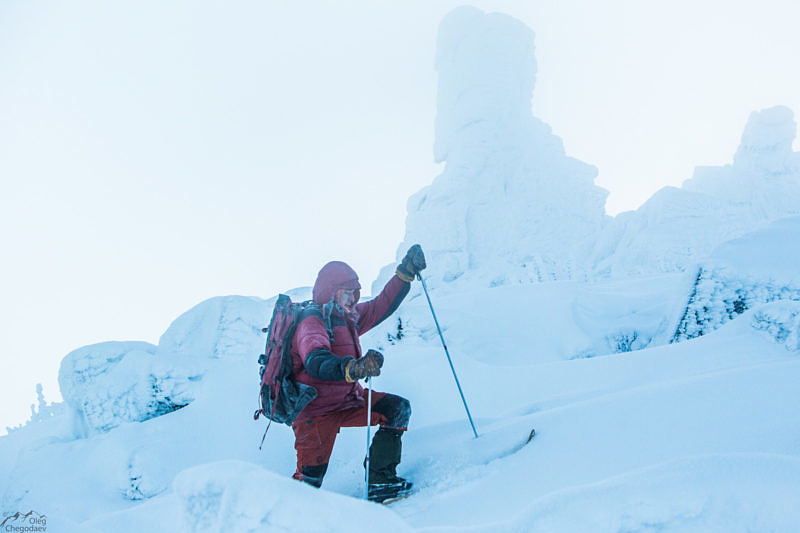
(413, 263)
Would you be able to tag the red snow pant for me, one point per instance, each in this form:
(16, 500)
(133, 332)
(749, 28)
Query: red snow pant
(314, 437)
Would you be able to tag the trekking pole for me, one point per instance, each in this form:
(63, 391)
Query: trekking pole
(369, 422)
(425, 288)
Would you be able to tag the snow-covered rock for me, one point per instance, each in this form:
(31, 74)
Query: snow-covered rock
(220, 327)
(510, 206)
(677, 228)
(111, 383)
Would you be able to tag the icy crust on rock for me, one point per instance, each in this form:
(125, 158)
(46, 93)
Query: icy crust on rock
(741, 274)
(241, 496)
(111, 383)
(676, 228)
(510, 206)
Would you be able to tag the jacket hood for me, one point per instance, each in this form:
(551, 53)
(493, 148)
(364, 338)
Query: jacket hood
(332, 277)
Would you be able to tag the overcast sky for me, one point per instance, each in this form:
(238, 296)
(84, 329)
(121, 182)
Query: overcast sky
(155, 154)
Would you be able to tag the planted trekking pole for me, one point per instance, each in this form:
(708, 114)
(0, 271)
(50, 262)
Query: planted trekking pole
(369, 422)
(444, 344)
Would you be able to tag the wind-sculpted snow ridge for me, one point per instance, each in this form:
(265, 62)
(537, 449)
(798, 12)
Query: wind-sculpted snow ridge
(510, 206)
(677, 228)
(741, 274)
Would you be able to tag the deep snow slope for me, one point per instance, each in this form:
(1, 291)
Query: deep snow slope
(699, 435)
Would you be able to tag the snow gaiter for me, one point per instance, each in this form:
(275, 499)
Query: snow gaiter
(384, 455)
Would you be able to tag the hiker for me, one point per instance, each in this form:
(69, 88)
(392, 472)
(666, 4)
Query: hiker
(334, 367)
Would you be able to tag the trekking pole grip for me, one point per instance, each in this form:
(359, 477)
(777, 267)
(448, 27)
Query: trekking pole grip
(447, 353)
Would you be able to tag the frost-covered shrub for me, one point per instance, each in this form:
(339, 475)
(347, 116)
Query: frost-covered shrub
(781, 322)
(42, 411)
(145, 476)
(721, 294)
(626, 341)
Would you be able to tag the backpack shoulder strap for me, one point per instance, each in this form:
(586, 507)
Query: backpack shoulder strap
(309, 308)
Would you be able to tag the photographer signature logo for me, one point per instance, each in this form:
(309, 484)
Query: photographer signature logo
(24, 522)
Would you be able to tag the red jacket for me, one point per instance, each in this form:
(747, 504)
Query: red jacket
(312, 337)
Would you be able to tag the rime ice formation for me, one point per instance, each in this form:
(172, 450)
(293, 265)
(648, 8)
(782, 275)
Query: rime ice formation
(110, 383)
(510, 206)
(676, 228)
(742, 274)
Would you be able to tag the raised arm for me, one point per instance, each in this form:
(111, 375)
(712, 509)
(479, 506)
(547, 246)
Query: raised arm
(375, 311)
(378, 309)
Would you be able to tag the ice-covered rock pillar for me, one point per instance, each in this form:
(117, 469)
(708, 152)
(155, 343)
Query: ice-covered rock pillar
(510, 206)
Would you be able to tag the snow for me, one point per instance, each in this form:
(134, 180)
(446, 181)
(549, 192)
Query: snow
(657, 354)
(223, 325)
(694, 435)
(740, 274)
(111, 383)
(771, 250)
(781, 322)
(239, 496)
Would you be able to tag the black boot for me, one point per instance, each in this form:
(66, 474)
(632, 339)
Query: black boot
(313, 474)
(384, 456)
